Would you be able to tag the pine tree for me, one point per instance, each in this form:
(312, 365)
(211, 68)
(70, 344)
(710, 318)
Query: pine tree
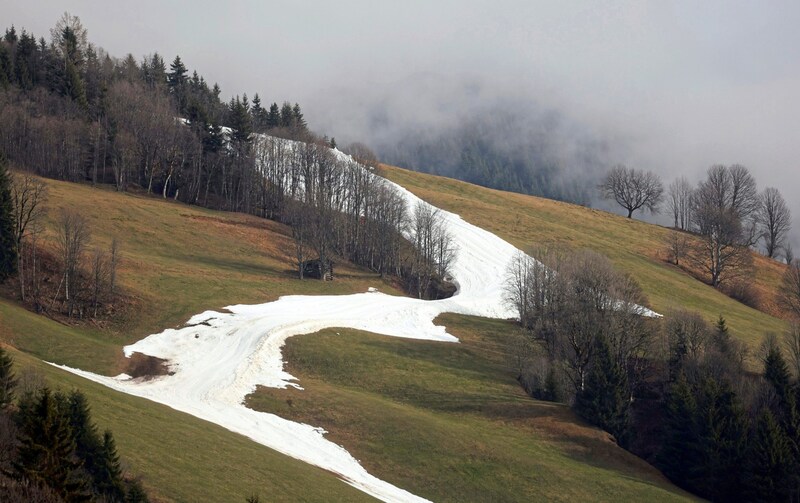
(84, 433)
(6, 70)
(299, 121)
(721, 336)
(7, 379)
(273, 116)
(604, 401)
(240, 122)
(721, 433)
(8, 247)
(287, 115)
(46, 452)
(177, 73)
(769, 475)
(678, 453)
(109, 480)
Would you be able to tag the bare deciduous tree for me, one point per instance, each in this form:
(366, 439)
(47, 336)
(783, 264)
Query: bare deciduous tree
(28, 195)
(721, 250)
(434, 250)
(775, 220)
(571, 302)
(73, 236)
(679, 202)
(677, 246)
(633, 189)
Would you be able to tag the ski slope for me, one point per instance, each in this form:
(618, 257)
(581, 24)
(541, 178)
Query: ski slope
(218, 358)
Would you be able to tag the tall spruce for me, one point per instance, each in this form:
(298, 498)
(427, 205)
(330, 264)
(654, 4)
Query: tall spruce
(46, 452)
(678, 453)
(108, 479)
(605, 399)
(721, 440)
(8, 247)
(769, 475)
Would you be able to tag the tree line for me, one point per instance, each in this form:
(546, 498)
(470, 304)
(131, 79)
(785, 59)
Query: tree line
(71, 111)
(143, 126)
(52, 451)
(674, 391)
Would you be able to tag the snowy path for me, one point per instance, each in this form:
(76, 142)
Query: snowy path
(219, 358)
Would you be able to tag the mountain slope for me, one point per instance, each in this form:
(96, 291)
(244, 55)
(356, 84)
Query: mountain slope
(633, 246)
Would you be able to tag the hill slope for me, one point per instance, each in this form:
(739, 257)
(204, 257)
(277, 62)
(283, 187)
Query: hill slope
(636, 247)
(476, 426)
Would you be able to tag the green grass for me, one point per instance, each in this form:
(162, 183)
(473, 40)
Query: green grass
(448, 421)
(633, 246)
(444, 421)
(182, 458)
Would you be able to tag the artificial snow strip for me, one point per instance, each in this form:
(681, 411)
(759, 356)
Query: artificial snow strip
(217, 359)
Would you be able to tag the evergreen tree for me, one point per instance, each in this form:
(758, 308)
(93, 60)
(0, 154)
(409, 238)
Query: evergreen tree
(8, 246)
(299, 121)
(108, 481)
(287, 115)
(11, 35)
(604, 400)
(46, 452)
(259, 115)
(240, 122)
(7, 379)
(177, 73)
(6, 70)
(273, 116)
(721, 434)
(84, 433)
(769, 474)
(678, 453)
(721, 336)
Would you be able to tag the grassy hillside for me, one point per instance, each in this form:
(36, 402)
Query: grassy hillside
(177, 261)
(449, 422)
(637, 247)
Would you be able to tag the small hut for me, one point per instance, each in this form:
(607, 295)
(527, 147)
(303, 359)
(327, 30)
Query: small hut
(314, 269)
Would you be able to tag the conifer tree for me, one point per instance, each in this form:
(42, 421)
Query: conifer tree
(46, 452)
(287, 115)
(769, 475)
(721, 434)
(8, 247)
(177, 73)
(108, 481)
(678, 452)
(604, 400)
(299, 121)
(721, 336)
(7, 379)
(135, 493)
(273, 116)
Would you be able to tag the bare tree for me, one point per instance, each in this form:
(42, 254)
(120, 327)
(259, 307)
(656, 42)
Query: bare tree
(722, 250)
(731, 189)
(571, 302)
(434, 250)
(73, 236)
(775, 220)
(790, 289)
(679, 202)
(101, 273)
(28, 195)
(633, 189)
(788, 253)
(677, 246)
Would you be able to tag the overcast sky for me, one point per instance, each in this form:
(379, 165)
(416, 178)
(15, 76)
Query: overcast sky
(684, 84)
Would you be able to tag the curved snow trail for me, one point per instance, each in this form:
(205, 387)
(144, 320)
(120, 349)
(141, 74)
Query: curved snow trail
(219, 358)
